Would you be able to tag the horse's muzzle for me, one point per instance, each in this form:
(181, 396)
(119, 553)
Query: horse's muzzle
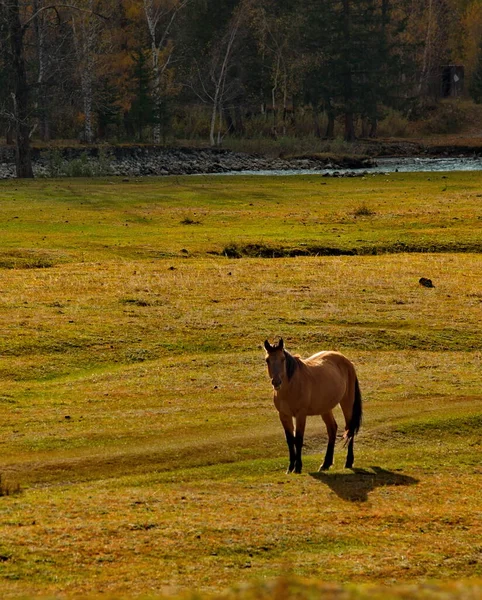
(276, 383)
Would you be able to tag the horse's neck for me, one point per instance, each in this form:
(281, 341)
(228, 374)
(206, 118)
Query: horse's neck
(291, 365)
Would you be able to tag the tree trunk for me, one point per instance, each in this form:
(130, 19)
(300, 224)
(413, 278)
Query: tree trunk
(9, 134)
(427, 52)
(349, 127)
(84, 38)
(364, 128)
(219, 81)
(156, 92)
(212, 126)
(87, 93)
(238, 120)
(42, 101)
(21, 93)
(274, 129)
(330, 127)
(330, 113)
(228, 119)
(316, 123)
(373, 128)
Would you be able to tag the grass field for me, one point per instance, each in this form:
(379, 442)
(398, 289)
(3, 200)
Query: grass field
(140, 454)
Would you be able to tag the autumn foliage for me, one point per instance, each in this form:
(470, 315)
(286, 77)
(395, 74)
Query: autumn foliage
(147, 70)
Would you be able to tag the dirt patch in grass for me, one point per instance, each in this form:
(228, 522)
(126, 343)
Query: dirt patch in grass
(262, 250)
(26, 259)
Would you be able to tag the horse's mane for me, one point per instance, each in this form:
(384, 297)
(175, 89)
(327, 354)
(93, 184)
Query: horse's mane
(292, 363)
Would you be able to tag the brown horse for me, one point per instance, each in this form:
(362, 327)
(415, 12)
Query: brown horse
(314, 386)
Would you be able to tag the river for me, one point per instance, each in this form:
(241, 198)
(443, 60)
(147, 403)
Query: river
(386, 165)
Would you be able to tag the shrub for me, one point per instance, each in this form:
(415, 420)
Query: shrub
(449, 117)
(363, 211)
(393, 124)
(83, 166)
(7, 487)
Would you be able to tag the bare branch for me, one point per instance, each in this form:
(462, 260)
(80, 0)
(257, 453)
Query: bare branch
(55, 7)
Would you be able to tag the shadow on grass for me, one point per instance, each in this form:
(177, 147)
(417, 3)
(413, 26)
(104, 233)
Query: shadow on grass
(356, 485)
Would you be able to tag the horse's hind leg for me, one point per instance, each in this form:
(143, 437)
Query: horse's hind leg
(331, 428)
(349, 455)
(351, 406)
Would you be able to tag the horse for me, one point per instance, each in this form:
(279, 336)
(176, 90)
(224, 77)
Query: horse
(314, 386)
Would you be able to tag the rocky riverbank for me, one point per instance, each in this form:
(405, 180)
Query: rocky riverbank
(134, 161)
(144, 160)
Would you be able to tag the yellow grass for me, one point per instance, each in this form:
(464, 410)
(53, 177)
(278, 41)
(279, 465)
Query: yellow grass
(136, 415)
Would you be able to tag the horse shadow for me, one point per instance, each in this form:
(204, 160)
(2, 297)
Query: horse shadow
(355, 486)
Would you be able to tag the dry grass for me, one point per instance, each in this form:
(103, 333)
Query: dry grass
(136, 415)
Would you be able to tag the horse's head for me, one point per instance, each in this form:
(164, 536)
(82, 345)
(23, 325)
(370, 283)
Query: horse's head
(276, 361)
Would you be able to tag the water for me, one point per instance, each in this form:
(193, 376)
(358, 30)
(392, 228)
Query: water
(416, 164)
(387, 165)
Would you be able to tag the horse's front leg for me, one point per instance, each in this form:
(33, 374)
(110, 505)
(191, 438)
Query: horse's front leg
(287, 423)
(299, 435)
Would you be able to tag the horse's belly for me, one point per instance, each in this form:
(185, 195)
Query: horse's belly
(325, 396)
(322, 404)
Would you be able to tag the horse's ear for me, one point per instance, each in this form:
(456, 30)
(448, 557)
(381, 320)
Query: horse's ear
(280, 344)
(268, 346)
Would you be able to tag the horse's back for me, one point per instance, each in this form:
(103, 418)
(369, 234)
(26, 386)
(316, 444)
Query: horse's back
(331, 374)
(328, 357)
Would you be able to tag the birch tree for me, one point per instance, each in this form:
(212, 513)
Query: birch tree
(432, 22)
(87, 28)
(40, 44)
(210, 80)
(19, 18)
(160, 16)
(50, 60)
(277, 32)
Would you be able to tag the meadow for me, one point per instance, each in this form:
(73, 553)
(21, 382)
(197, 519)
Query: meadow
(140, 452)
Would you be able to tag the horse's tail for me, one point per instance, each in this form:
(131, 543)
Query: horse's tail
(357, 413)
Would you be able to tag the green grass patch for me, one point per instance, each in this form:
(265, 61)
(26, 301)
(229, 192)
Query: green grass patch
(467, 426)
(308, 215)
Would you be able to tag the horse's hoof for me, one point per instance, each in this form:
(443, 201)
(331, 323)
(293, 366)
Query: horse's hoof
(324, 467)
(349, 465)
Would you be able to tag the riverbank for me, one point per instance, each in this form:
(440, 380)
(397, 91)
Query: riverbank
(145, 160)
(135, 161)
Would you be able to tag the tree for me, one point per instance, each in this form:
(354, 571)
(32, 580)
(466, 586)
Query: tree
(431, 26)
(212, 81)
(6, 78)
(143, 109)
(277, 27)
(160, 16)
(19, 20)
(472, 35)
(354, 59)
(85, 30)
(21, 90)
(42, 66)
(475, 88)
